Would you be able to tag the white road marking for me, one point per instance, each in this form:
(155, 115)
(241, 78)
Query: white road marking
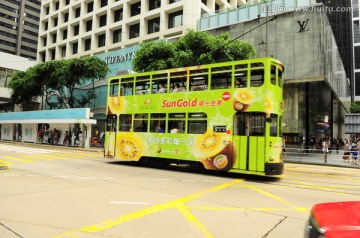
(130, 203)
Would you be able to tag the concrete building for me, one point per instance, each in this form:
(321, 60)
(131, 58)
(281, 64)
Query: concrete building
(81, 28)
(19, 27)
(9, 64)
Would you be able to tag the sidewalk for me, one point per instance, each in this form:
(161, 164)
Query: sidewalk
(60, 147)
(334, 159)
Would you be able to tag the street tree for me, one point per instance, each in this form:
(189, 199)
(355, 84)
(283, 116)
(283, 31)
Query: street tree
(355, 107)
(56, 82)
(194, 48)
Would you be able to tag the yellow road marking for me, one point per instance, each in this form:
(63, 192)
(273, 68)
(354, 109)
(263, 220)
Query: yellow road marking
(277, 198)
(177, 204)
(5, 162)
(34, 157)
(51, 156)
(17, 159)
(324, 188)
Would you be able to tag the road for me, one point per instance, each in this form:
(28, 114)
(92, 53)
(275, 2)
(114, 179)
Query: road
(60, 192)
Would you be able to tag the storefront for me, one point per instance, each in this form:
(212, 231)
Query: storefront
(69, 127)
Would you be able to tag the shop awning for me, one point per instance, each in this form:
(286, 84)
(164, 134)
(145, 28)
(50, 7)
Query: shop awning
(69, 116)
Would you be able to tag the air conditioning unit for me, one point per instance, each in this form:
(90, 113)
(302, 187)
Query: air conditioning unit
(14, 27)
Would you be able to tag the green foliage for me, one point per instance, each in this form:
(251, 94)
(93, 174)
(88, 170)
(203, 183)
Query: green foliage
(355, 107)
(194, 48)
(161, 50)
(57, 79)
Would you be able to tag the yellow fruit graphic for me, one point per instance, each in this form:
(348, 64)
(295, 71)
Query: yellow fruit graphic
(269, 104)
(242, 99)
(129, 147)
(209, 144)
(116, 105)
(244, 96)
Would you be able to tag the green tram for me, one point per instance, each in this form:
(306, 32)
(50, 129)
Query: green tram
(224, 116)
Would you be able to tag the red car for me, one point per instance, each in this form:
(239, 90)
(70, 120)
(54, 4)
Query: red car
(334, 220)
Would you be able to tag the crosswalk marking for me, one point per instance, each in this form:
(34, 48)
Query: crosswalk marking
(23, 149)
(17, 159)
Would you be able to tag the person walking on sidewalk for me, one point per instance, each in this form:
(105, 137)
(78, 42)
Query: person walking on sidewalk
(325, 149)
(354, 152)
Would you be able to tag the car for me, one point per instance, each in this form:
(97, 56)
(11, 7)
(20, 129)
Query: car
(334, 220)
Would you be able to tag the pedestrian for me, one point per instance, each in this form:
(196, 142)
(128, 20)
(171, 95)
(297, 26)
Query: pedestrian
(102, 138)
(354, 152)
(66, 139)
(283, 146)
(325, 149)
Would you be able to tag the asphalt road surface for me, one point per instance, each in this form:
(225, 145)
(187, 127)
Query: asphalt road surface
(49, 191)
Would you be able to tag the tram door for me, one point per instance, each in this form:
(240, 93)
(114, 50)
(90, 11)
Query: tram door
(249, 141)
(110, 136)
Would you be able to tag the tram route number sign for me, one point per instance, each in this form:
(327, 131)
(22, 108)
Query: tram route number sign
(219, 128)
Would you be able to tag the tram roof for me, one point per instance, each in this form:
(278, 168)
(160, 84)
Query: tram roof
(63, 116)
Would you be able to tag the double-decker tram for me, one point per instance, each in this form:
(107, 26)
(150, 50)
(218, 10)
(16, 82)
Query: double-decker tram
(224, 116)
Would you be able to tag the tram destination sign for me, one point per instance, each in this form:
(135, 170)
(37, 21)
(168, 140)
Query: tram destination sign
(219, 128)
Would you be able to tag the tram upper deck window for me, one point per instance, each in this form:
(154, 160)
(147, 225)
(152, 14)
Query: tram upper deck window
(197, 123)
(273, 74)
(142, 85)
(221, 77)
(280, 76)
(179, 78)
(199, 79)
(114, 87)
(126, 86)
(256, 74)
(160, 83)
(241, 76)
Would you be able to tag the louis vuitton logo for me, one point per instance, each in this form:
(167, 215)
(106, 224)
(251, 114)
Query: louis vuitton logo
(303, 25)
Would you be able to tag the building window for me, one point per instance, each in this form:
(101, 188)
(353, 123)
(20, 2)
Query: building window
(67, 2)
(75, 48)
(54, 38)
(63, 52)
(154, 25)
(76, 30)
(77, 12)
(356, 32)
(87, 44)
(135, 9)
(66, 17)
(46, 26)
(44, 41)
(174, 1)
(101, 40)
(117, 36)
(103, 3)
(47, 10)
(134, 31)
(357, 84)
(55, 22)
(89, 25)
(153, 4)
(118, 15)
(53, 54)
(57, 6)
(175, 19)
(65, 34)
(90, 7)
(102, 20)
